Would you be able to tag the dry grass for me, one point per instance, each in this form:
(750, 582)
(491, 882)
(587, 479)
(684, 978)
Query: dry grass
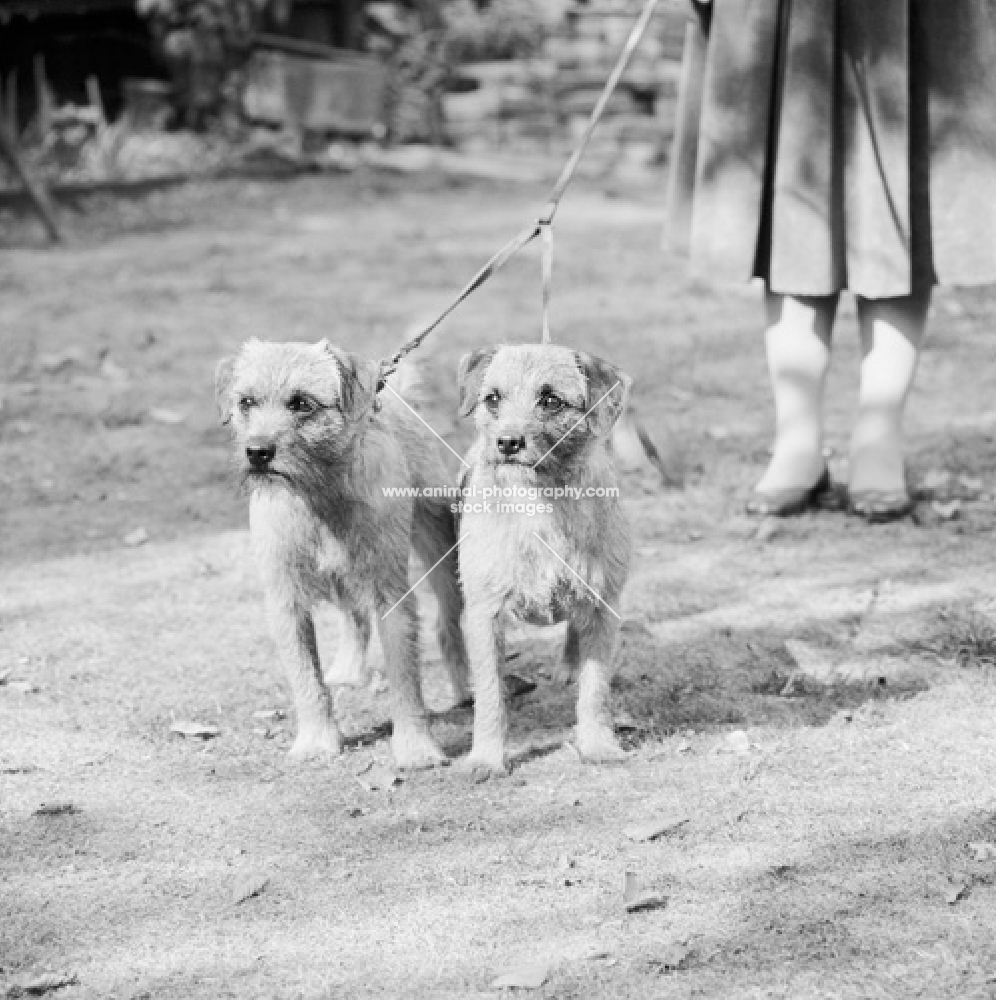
(817, 862)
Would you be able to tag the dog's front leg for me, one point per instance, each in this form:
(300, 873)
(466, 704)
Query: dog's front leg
(293, 632)
(412, 743)
(485, 628)
(597, 637)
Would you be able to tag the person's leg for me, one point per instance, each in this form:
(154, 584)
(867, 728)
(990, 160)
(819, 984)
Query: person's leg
(892, 333)
(798, 341)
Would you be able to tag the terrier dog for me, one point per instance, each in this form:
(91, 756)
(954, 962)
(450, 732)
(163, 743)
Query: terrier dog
(542, 533)
(317, 447)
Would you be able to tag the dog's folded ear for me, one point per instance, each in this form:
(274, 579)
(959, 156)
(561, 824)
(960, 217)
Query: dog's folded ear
(608, 388)
(359, 377)
(223, 375)
(470, 375)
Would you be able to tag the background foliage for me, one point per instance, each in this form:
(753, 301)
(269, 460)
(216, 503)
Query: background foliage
(205, 43)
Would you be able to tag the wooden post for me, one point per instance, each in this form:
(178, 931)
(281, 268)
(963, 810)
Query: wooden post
(36, 192)
(10, 101)
(43, 97)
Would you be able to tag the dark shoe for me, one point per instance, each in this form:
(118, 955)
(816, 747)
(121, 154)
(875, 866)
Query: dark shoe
(823, 495)
(880, 506)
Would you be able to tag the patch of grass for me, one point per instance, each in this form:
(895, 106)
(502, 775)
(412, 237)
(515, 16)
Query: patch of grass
(968, 638)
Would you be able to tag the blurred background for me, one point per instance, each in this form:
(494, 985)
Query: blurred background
(112, 91)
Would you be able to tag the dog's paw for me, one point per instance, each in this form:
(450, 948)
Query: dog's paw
(416, 751)
(480, 767)
(316, 742)
(598, 743)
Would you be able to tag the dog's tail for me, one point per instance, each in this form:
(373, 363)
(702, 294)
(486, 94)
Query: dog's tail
(635, 450)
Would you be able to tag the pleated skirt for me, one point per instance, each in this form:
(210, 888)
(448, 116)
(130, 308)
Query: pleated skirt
(825, 145)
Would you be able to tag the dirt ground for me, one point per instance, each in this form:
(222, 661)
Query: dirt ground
(810, 711)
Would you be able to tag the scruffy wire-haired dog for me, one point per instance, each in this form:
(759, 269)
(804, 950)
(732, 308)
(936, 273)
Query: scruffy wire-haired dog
(316, 446)
(543, 414)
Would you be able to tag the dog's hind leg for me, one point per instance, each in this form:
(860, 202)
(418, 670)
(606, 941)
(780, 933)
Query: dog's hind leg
(412, 743)
(570, 662)
(293, 632)
(352, 634)
(597, 636)
(434, 539)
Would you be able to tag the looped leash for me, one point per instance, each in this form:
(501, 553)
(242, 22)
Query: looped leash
(543, 226)
(546, 229)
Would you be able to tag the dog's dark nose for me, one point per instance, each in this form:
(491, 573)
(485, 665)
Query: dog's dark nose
(509, 445)
(260, 455)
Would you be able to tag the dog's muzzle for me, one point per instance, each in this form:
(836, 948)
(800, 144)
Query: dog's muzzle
(509, 445)
(260, 456)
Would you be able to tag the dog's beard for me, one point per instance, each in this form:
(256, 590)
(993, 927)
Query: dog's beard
(554, 448)
(251, 479)
(546, 457)
(318, 471)
(514, 474)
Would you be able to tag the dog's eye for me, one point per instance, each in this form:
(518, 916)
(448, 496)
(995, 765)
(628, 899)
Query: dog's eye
(492, 399)
(551, 402)
(300, 404)
(246, 402)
